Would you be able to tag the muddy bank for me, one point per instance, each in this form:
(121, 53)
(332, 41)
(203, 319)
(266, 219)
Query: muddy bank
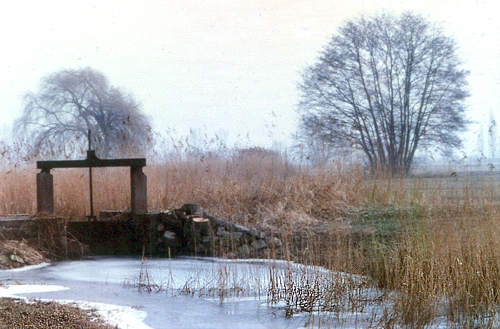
(16, 254)
(17, 313)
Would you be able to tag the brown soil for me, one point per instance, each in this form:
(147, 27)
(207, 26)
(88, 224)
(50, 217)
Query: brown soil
(17, 313)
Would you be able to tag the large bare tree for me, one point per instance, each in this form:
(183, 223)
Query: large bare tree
(71, 102)
(386, 85)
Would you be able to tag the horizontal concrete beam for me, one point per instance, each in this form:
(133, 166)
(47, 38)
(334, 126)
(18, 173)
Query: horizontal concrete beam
(87, 163)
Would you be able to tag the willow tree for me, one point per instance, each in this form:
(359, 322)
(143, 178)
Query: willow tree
(56, 119)
(386, 85)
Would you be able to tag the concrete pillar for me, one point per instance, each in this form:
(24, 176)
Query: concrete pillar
(139, 191)
(45, 193)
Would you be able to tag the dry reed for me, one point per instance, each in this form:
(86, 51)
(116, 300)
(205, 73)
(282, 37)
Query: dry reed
(432, 241)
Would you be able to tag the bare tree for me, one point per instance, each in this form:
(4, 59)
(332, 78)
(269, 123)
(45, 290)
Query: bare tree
(69, 103)
(386, 85)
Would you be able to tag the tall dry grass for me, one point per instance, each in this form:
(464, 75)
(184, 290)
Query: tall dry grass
(253, 187)
(432, 242)
(444, 258)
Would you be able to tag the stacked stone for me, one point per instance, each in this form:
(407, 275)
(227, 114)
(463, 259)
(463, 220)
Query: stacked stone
(190, 228)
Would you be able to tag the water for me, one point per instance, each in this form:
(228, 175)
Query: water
(186, 292)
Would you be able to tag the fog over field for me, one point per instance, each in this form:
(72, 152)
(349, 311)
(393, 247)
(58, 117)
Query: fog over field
(219, 68)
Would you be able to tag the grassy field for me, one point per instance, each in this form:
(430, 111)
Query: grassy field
(429, 244)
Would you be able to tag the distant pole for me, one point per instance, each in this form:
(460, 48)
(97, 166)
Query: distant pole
(88, 137)
(91, 216)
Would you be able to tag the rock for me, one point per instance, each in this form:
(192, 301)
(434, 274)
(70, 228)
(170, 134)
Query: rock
(16, 258)
(221, 231)
(256, 233)
(230, 235)
(167, 243)
(259, 244)
(169, 235)
(245, 249)
(4, 259)
(190, 229)
(191, 209)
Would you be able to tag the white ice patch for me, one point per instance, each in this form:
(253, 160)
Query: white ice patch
(13, 290)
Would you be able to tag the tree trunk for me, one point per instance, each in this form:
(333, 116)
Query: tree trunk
(198, 234)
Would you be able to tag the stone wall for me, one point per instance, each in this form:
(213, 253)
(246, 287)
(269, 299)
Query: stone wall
(184, 231)
(46, 233)
(191, 229)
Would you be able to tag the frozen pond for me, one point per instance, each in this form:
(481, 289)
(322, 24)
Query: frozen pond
(183, 292)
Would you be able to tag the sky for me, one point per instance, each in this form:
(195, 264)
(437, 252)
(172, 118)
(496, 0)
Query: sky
(222, 68)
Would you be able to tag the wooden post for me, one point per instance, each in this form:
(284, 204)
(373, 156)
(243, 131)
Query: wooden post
(45, 193)
(138, 191)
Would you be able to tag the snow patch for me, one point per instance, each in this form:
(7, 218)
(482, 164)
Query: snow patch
(13, 290)
(27, 267)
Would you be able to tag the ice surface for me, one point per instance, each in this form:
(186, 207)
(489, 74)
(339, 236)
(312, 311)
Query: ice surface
(178, 293)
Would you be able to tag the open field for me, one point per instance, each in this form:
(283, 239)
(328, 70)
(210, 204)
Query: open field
(430, 244)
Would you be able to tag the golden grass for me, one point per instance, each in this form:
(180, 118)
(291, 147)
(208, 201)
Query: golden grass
(432, 241)
(258, 189)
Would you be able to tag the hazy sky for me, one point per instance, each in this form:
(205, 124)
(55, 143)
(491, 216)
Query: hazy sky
(223, 67)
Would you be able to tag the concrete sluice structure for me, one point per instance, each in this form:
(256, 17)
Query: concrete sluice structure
(184, 231)
(187, 230)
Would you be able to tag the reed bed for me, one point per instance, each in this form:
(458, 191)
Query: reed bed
(429, 245)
